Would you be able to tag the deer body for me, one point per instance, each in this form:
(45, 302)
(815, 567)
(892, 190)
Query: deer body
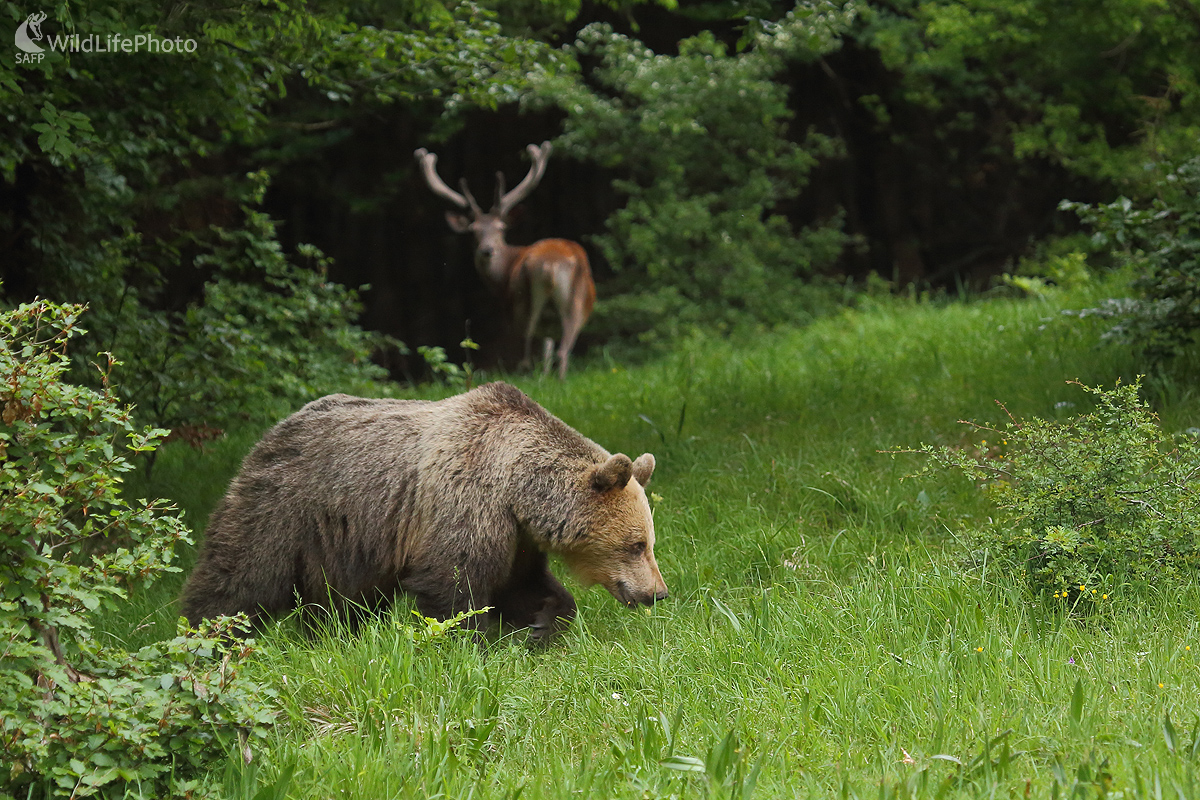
(530, 276)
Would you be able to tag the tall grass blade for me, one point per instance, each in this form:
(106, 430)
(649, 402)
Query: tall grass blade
(1168, 730)
(1076, 711)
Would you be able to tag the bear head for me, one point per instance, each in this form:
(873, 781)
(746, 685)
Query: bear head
(618, 549)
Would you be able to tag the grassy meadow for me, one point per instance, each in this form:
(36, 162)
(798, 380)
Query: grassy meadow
(826, 635)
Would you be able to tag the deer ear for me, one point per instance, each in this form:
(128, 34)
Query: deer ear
(643, 468)
(459, 223)
(612, 474)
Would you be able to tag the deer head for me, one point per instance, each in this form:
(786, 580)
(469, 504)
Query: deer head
(492, 254)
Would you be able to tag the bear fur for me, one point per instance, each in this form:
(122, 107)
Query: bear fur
(457, 502)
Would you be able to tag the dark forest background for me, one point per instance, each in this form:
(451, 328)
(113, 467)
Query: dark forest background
(728, 165)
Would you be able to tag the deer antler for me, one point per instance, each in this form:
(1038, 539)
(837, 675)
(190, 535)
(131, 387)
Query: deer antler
(475, 209)
(428, 163)
(505, 202)
(499, 190)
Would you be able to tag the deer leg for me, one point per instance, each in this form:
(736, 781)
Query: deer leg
(572, 324)
(519, 312)
(573, 315)
(537, 302)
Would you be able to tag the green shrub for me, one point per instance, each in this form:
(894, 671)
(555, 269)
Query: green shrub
(1096, 504)
(265, 335)
(700, 143)
(1025, 76)
(1160, 244)
(122, 182)
(79, 718)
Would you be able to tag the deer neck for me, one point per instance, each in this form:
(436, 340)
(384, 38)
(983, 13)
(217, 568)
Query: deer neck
(498, 266)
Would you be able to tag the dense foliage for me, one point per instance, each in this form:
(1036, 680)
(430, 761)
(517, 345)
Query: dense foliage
(266, 334)
(1159, 245)
(79, 717)
(128, 170)
(700, 141)
(1103, 502)
(126, 185)
(1099, 87)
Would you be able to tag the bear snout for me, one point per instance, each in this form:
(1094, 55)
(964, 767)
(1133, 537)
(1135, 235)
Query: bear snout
(650, 598)
(631, 598)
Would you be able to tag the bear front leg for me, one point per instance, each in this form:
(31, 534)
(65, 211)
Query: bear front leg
(535, 599)
(556, 613)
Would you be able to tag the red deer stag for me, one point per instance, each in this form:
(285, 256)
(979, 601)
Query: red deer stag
(549, 269)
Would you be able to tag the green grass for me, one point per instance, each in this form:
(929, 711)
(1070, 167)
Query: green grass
(823, 636)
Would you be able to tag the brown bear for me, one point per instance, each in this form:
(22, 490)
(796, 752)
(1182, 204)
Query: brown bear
(456, 501)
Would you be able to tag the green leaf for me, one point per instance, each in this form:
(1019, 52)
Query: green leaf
(65, 147)
(1076, 711)
(683, 764)
(48, 141)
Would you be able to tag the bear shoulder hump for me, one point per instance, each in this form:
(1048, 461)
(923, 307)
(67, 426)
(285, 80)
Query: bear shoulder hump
(331, 401)
(503, 398)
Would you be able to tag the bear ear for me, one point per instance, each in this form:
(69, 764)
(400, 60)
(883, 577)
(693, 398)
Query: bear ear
(643, 468)
(612, 474)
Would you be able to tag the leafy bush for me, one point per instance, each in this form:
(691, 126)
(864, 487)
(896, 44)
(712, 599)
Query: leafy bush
(266, 335)
(1097, 503)
(1160, 244)
(700, 142)
(78, 718)
(445, 370)
(1094, 87)
(121, 183)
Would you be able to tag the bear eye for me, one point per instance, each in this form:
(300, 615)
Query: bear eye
(637, 548)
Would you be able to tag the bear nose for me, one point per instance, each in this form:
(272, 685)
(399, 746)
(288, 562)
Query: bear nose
(660, 595)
